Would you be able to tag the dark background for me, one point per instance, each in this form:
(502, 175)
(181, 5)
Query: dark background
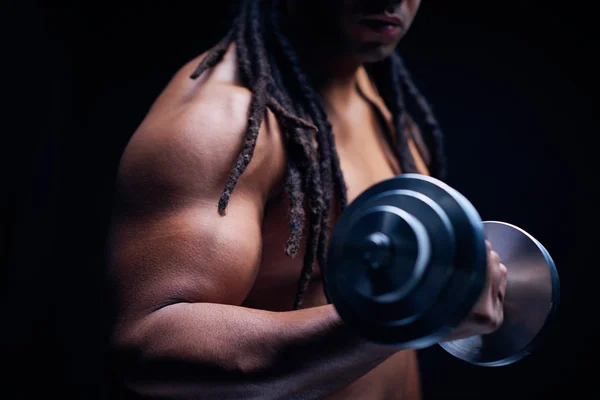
(513, 85)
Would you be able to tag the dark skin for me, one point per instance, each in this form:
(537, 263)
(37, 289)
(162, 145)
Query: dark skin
(202, 300)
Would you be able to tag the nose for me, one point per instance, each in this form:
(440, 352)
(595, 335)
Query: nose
(377, 6)
(389, 5)
(392, 5)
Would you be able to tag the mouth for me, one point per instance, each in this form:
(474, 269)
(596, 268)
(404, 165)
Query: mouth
(384, 24)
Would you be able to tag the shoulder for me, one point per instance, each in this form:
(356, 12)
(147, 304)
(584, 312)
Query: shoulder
(194, 132)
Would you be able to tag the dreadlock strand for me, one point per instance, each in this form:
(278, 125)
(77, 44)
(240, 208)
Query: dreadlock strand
(312, 185)
(299, 148)
(434, 132)
(311, 101)
(287, 117)
(242, 52)
(380, 72)
(215, 55)
(259, 83)
(257, 108)
(295, 194)
(396, 103)
(301, 145)
(328, 156)
(311, 255)
(326, 147)
(265, 69)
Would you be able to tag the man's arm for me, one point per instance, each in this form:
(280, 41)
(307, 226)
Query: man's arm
(179, 271)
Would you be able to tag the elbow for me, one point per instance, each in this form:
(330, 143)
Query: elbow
(127, 362)
(137, 367)
(250, 365)
(138, 359)
(149, 364)
(142, 372)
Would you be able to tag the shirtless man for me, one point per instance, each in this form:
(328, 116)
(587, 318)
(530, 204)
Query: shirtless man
(227, 193)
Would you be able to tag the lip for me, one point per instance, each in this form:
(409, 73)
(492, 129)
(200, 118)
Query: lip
(394, 20)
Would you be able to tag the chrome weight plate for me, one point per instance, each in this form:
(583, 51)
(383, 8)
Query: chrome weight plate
(530, 304)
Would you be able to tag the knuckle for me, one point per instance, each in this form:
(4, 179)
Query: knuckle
(494, 257)
(497, 322)
(484, 317)
(492, 321)
(501, 296)
(488, 317)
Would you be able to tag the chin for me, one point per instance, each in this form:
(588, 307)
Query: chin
(373, 53)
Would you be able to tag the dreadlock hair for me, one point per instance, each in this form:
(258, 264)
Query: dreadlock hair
(270, 68)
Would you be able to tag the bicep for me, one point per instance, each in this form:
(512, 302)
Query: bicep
(168, 242)
(191, 254)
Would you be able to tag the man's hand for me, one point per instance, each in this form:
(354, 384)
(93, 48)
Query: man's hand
(488, 313)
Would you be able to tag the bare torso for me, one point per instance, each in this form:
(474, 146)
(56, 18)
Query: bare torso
(365, 160)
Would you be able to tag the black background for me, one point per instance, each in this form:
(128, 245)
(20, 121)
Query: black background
(512, 83)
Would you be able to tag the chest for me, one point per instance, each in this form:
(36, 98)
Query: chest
(365, 159)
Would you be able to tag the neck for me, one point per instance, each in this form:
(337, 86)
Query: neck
(334, 80)
(333, 74)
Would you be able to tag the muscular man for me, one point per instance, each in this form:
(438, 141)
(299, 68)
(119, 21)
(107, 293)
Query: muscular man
(226, 196)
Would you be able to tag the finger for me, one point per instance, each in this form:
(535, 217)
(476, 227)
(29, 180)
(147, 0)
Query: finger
(503, 270)
(500, 290)
(488, 245)
(494, 257)
(503, 282)
(485, 305)
(496, 275)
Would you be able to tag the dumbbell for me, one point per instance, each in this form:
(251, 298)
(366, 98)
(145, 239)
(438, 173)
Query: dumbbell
(406, 264)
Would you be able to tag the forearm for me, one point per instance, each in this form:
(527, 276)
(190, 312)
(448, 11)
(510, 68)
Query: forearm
(220, 351)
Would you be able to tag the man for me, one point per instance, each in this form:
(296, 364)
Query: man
(227, 193)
